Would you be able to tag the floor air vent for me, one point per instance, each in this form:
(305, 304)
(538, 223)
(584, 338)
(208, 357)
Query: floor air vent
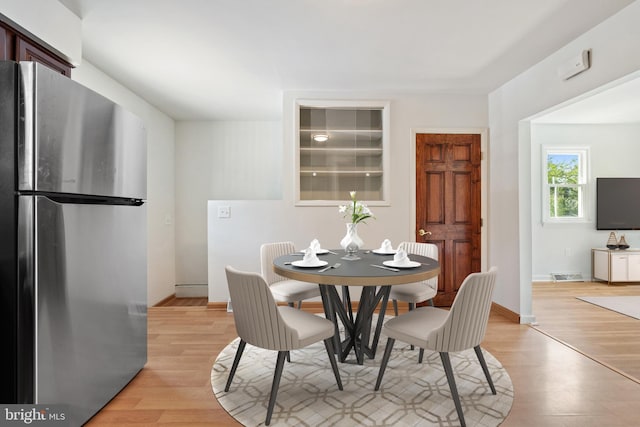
(567, 277)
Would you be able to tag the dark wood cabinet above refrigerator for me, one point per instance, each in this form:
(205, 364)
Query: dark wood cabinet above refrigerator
(16, 46)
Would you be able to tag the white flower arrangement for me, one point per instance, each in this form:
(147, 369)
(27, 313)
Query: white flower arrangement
(355, 210)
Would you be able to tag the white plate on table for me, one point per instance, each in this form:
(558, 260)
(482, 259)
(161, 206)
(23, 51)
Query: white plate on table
(410, 264)
(318, 252)
(383, 252)
(303, 263)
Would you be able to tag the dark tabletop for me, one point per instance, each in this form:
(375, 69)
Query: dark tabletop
(358, 272)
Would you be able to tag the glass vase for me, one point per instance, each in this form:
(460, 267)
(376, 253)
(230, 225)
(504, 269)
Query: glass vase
(351, 242)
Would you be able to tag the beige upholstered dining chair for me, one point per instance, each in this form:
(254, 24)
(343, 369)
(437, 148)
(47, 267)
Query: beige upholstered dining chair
(260, 322)
(420, 291)
(283, 289)
(460, 328)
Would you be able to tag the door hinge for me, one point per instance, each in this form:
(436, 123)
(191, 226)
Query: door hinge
(481, 222)
(482, 155)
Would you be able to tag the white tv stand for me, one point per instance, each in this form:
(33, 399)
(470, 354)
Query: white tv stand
(615, 265)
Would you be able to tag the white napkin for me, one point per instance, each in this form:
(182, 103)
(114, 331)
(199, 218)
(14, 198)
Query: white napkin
(401, 258)
(310, 257)
(385, 246)
(315, 244)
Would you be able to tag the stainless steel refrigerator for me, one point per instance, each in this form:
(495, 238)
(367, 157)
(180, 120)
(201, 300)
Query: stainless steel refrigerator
(73, 268)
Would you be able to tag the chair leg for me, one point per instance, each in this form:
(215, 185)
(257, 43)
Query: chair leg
(421, 355)
(328, 344)
(385, 360)
(289, 356)
(395, 307)
(485, 369)
(412, 305)
(446, 362)
(236, 361)
(274, 386)
(299, 304)
(431, 302)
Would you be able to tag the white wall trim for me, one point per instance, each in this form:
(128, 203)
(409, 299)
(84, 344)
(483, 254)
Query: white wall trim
(528, 320)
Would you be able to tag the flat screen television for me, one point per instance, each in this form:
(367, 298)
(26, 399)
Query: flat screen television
(618, 203)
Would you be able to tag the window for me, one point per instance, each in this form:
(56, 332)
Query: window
(565, 177)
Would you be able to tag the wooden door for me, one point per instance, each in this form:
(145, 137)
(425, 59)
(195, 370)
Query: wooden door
(448, 205)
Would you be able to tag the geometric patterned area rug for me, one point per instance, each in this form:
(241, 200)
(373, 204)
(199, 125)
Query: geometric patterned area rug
(627, 305)
(411, 394)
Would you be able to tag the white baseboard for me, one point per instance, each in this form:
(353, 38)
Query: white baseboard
(528, 320)
(192, 291)
(542, 278)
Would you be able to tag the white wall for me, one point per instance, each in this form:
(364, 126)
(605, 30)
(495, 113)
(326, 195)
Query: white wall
(160, 178)
(613, 44)
(61, 29)
(235, 241)
(614, 152)
(219, 160)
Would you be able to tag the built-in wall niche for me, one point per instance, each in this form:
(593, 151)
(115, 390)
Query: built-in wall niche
(341, 147)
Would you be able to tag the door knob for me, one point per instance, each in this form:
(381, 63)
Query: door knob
(424, 233)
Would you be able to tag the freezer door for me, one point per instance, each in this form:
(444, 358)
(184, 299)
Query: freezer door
(77, 141)
(91, 289)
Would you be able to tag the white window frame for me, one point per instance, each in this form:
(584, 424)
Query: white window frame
(582, 185)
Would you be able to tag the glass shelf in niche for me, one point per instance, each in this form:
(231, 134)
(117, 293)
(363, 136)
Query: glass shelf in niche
(341, 139)
(330, 118)
(327, 187)
(359, 151)
(353, 172)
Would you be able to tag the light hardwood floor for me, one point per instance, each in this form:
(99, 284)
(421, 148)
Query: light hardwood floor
(555, 385)
(607, 336)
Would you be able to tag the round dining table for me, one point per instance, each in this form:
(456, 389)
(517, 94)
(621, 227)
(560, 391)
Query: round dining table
(376, 279)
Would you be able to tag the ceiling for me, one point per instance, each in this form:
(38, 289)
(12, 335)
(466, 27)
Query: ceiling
(619, 103)
(232, 59)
